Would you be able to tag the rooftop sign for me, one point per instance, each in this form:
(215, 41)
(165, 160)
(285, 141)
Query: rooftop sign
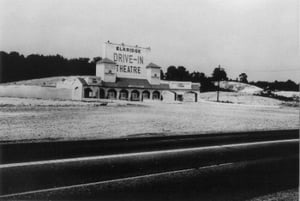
(180, 85)
(131, 60)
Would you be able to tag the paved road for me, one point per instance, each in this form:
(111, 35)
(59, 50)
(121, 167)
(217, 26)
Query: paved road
(26, 151)
(265, 162)
(231, 181)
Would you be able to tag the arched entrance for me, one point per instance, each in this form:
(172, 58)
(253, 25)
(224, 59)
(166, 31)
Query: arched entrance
(179, 97)
(169, 96)
(88, 93)
(123, 94)
(146, 95)
(111, 94)
(135, 95)
(190, 96)
(156, 95)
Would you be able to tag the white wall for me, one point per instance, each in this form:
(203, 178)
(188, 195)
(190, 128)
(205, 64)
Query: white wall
(103, 69)
(151, 72)
(77, 92)
(168, 96)
(23, 91)
(100, 70)
(189, 97)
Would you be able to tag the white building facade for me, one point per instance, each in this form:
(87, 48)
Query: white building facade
(126, 73)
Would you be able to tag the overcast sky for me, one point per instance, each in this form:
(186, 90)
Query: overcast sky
(258, 37)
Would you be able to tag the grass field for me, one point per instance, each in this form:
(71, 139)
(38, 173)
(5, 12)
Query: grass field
(26, 119)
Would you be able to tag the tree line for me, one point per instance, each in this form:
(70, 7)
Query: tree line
(15, 66)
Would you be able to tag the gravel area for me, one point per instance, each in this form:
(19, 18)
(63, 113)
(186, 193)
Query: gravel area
(36, 121)
(288, 195)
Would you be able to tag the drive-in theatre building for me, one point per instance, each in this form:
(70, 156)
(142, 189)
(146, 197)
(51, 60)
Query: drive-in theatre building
(125, 73)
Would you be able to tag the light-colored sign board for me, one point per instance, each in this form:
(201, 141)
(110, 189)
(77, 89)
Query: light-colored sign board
(180, 85)
(131, 60)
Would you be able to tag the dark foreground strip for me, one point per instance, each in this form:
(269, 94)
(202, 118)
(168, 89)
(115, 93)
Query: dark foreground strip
(230, 181)
(35, 151)
(30, 176)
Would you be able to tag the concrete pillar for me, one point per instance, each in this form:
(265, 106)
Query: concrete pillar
(129, 95)
(118, 94)
(140, 95)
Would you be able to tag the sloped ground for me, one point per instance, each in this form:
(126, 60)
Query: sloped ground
(289, 94)
(240, 87)
(240, 98)
(48, 81)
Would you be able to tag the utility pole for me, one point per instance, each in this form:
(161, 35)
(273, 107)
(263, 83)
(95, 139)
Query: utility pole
(218, 90)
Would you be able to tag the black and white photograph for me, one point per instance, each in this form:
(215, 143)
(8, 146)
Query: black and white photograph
(149, 100)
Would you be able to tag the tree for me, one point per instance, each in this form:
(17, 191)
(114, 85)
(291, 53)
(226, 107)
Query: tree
(243, 78)
(96, 59)
(219, 74)
(179, 74)
(15, 66)
(197, 77)
(183, 74)
(171, 73)
(162, 75)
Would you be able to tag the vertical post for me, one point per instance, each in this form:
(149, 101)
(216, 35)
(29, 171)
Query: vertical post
(118, 94)
(218, 90)
(141, 95)
(129, 95)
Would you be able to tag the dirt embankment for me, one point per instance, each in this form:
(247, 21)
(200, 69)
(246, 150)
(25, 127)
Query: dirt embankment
(244, 98)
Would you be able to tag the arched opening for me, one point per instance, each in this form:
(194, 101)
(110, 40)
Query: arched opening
(88, 93)
(190, 96)
(102, 93)
(135, 95)
(179, 97)
(123, 94)
(146, 95)
(111, 94)
(169, 96)
(156, 95)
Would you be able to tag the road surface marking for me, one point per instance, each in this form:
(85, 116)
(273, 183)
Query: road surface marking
(115, 180)
(91, 158)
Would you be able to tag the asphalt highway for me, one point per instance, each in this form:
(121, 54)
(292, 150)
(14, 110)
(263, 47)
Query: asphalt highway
(231, 181)
(13, 152)
(155, 173)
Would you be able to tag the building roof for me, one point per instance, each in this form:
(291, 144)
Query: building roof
(134, 83)
(82, 81)
(106, 61)
(152, 65)
(138, 83)
(161, 86)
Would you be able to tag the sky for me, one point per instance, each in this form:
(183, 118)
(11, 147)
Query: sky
(257, 37)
